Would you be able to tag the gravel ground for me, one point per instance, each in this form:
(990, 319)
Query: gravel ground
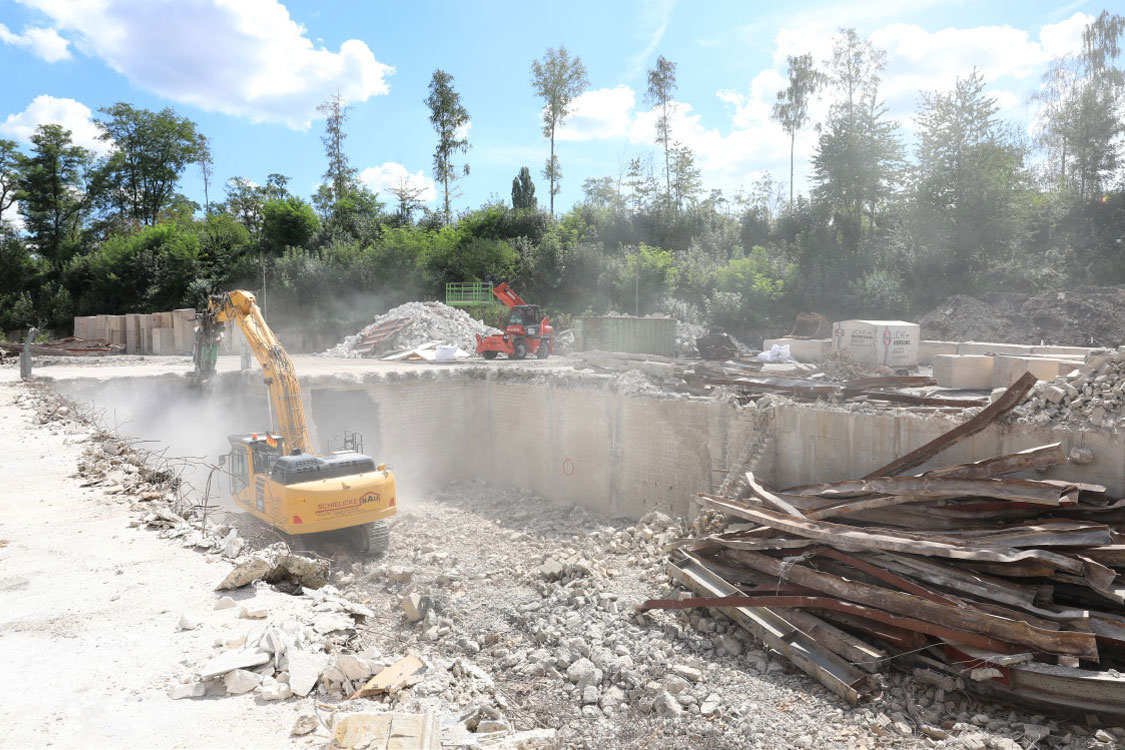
(538, 600)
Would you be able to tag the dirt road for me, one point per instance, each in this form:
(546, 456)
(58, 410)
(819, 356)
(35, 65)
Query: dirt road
(89, 609)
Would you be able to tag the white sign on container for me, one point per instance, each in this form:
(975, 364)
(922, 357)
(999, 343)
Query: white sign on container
(890, 343)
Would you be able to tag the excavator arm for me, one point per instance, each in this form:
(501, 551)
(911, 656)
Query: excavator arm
(277, 368)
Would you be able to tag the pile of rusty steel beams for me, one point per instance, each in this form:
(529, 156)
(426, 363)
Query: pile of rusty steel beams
(67, 347)
(374, 338)
(971, 578)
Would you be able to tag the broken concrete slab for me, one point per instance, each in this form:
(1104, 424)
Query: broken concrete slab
(389, 731)
(304, 670)
(277, 564)
(232, 660)
(963, 371)
(239, 681)
(395, 674)
(187, 690)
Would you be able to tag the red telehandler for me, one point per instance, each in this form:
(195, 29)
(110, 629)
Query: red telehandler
(527, 331)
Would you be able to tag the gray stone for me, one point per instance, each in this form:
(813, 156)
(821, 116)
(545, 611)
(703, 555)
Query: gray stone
(187, 623)
(710, 705)
(581, 671)
(673, 684)
(493, 725)
(225, 602)
(414, 607)
(589, 695)
(688, 673)
(1054, 394)
(353, 667)
(667, 705)
(551, 569)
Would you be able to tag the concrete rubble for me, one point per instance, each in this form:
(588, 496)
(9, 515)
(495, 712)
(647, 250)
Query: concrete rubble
(1088, 397)
(428, 322)
(529, 639)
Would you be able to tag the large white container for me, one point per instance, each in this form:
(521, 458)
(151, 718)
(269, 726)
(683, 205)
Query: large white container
(890, 343)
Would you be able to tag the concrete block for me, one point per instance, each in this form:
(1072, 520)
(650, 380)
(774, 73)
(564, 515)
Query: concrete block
(890, 343)
(803, 350)
(1073, 352)
(989, 347)
(927, 350)
(145, 333)
(101, 327)
(971, 371)
(1008, 369)
(132, 333)
(116, 329)
(163, 341)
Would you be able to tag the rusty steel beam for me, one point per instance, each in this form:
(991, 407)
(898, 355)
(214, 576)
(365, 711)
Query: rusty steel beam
(1001, 406)
(889, 381)
(1068, 643)
(954, 635)
(938, 488)
(858, 539)
(772, 629)
(1043, 457)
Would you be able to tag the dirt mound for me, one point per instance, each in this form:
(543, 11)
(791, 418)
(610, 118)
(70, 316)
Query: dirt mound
(1088, 316)
(965, 318)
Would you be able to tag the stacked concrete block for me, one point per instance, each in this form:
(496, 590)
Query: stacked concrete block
(1073, 352)
(989, 347)
(132, 329)
(115, 325)
(803, 350)
(144, 324)
(1008, 369)
(967, 371)
(927, 350)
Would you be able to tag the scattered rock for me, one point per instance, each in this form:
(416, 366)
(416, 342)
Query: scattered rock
(187, 623)
(413, 606)
(225, 602)
(187, 690)
(304, 670)
(239, 681)
(305, 724)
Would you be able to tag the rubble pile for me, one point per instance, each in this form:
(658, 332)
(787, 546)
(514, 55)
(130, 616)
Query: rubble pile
(1091, 396)
(1087, 316)
(972, 580)
(411, 325)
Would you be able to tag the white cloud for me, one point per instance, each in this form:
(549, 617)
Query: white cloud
(653, 22)
(45, 44)
(240, 57)
(71, 114)
(602, 113)
(384, 178)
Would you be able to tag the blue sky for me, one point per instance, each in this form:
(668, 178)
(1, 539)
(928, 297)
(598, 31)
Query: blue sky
(250, 73)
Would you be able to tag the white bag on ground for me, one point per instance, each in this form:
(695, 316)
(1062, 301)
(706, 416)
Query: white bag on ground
(777, 354)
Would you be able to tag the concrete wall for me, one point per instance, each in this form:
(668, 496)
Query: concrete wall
(574, 441)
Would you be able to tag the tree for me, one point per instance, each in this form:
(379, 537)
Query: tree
(661, 87)
(246, 201)
(558, 80)
(792, 106)
(449, 118)
(52, 193)
(340, 175)
(206, 166)
(150, 152)
(10, 159)
(409, 197)
(1080, 120)
(287, 222)
(686, 177)
(523, 190)
(970, 179)
(641, 182)
(858, 149)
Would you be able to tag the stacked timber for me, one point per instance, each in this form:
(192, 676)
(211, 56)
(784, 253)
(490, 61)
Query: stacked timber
(1007, 586)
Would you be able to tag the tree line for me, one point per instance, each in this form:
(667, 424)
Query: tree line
(891, 226)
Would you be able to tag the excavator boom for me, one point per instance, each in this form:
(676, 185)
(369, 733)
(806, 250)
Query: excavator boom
(277, 368)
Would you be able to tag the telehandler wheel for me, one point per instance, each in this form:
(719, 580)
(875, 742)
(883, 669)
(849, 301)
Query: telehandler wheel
(519, 349)
(490, 354)
(374, 538)
(544, 349)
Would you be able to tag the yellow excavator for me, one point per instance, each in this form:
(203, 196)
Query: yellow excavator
(275, 476)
